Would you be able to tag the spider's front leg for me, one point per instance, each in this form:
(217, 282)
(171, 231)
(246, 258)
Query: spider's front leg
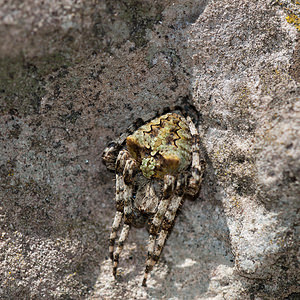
(110, 153)
(198, 163)
(129, 167)
(119, 166)
(163, 220)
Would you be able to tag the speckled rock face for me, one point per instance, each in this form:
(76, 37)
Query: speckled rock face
(75, 74)
(162, 146)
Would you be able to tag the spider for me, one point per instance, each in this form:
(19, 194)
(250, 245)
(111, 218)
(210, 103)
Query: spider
(156, 166)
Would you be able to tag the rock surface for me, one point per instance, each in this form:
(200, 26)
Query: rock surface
(74, 74)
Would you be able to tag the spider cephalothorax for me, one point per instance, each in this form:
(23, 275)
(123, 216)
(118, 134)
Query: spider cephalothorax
(161, 164)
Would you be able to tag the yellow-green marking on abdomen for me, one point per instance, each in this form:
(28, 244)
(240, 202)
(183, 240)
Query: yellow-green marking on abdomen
(162, 146)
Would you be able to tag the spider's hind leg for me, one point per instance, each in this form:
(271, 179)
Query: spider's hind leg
(163, 221)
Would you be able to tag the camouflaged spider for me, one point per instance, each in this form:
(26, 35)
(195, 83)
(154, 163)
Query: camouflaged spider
(162, 164)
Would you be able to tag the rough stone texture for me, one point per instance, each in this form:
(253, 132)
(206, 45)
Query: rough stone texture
(74, 74)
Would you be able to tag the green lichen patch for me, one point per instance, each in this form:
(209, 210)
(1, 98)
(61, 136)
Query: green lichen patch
(70, 117)
(22, 81)
(21, 87)
(140, 15)
(125, 20)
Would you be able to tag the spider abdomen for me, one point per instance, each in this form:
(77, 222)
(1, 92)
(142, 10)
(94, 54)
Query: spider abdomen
(162, 146)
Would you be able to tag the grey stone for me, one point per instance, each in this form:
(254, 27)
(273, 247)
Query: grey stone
(75, 74)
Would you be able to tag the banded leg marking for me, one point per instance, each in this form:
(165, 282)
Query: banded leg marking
(162, 236)
(119, 166)
(122, 239)
(154, 242)
(129, 172)
(198, 164)
(169, 183)
(119, 214)
(126, 182)
(119, 192)
(113, 234)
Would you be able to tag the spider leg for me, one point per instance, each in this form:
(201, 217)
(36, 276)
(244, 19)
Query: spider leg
(164, 221)
(120, 164)
(198, 163)
(169, 183)
(118, 216)
(121, 241)
(110, 153)
(129, 173)
(128, 176)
